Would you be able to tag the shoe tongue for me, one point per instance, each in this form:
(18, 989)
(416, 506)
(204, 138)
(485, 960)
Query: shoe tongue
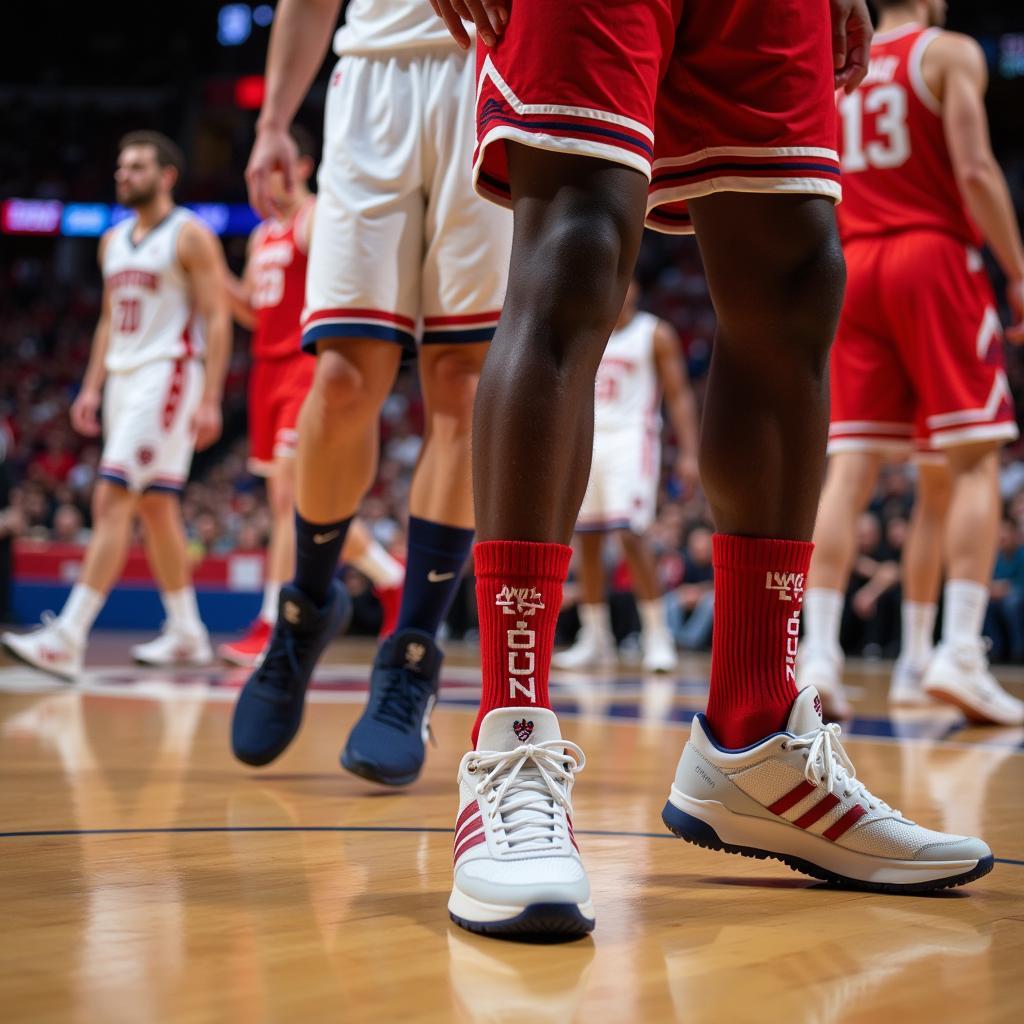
(805, 714)
(508, 728)
(412, 649)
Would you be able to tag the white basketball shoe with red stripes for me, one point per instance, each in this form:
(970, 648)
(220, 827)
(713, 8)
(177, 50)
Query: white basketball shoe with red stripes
(794, 796)
(517, 866)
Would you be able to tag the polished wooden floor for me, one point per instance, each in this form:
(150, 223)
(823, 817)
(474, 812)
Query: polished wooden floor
(147, 877)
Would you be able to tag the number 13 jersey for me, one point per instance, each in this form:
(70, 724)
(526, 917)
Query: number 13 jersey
(151, 308)
(897, 173)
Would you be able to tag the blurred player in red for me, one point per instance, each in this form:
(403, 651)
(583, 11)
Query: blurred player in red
(918, 356)
(269, 301)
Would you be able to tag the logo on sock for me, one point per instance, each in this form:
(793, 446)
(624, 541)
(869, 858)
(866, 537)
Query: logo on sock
(292, 613)
(323, 538)
(792, 643)
(414, 654)
(788, 585)
(522, 729)
(527, 600)
(439, 577)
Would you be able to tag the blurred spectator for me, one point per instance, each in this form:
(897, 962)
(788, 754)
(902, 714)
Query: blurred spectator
(1004, 620)
(68, 526)
(690, 607)
(871, 617)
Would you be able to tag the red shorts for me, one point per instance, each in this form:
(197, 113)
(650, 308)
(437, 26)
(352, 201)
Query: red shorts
(700, 96)
(277, 389)
(918, 357)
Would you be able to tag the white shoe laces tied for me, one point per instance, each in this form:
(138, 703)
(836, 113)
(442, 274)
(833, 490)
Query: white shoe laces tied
(830, 766)
(523, 789)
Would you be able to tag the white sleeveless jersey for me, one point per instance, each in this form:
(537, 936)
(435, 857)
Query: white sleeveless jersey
(627, 393)
(374, 27)
(150, 299)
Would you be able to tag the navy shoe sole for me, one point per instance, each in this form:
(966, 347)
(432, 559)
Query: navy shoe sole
(371, 772)
(258, 757)
(539, 922)
(700, 833)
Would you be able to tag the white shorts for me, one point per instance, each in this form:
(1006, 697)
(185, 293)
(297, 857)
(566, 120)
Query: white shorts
(622, 493)
(403, 247)
(147, 425)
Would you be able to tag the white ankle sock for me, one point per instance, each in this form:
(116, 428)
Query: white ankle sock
(652, 618)
(822, 615)
(963, 612)
(918, 632)
(183, 611)
(378, 567)
(271, 593)
(596, 622)
(80, 611)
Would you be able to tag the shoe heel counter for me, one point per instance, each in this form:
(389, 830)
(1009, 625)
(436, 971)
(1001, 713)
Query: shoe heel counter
(699, 778)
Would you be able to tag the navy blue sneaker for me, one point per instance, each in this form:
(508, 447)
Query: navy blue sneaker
(387, 744)
(269, 708)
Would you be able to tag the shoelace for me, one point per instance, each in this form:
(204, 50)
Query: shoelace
(523, 789)
(830, 766)
(279, 667)
(402, 700)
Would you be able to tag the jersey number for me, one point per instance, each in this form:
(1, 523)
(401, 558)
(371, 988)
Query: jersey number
(128, 315)
(269, 290)
(888, 106)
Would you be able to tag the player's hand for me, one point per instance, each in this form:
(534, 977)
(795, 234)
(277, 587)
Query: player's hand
(688, 472)
(864, 602)
(273, 150)
(1015, 300)
(206, 424)
(851, 42)
(85, 413)
(489, 16)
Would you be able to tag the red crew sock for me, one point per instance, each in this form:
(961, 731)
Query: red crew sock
(759, 591)
(518, 596)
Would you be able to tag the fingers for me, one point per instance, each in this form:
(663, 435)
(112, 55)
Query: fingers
(256, 177)
(445, 10)
(838, 42)
(857, 41)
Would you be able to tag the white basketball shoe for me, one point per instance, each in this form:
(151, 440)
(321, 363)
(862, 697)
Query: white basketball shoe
(48, 648)
(517, 866)
(795, 797)
(958, 674)
(659, 652)
(906, 687)
(592, 649)
(174, 647)
(822, 668)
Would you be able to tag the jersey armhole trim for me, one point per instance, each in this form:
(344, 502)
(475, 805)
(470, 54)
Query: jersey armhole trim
(914, 67)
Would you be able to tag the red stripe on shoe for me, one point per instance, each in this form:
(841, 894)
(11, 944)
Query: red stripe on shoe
(470, 827)
(469, 844)
(792, 798)
(470, 810)
(855, 813)
(819, 810)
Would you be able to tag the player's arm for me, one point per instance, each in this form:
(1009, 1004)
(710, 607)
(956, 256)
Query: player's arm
(958, 64)
(299, 38)
(85, 408)
(239, 290)
(679, 401)
(202, 258)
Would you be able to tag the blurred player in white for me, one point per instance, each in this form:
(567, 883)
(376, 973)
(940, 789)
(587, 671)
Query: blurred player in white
(642, 363)
(404, 258)
(268, 300)
(158, 359)
(918, 357)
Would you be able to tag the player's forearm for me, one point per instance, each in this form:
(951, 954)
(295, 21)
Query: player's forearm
(682, 414)
(218, 352)
(96, 368)
(238, 298)
(299, 40)
(987, 198)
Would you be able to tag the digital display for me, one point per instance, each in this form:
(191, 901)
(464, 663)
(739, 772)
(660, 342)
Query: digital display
(90, 220)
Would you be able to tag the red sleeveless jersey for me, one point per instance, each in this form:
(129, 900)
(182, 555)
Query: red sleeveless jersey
(897, 174)
(278, 273)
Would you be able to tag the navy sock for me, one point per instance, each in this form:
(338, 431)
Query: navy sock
(437, 555)
(317, 549)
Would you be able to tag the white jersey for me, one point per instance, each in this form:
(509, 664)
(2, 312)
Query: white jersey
(373, 27)
(627, 394)
(150, 299)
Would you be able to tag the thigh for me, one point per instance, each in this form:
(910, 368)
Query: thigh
(173, 453)
(365, 253)
(746, 105)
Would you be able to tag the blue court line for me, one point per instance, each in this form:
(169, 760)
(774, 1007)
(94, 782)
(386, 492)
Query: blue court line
(190, 829)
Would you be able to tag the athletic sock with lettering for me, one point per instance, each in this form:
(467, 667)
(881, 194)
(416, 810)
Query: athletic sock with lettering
(317, 549)
(519, 595)
(437, 555)
(759, 589)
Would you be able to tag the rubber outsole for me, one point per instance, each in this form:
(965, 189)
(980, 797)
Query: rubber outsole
(943, 696)
(701, 834)
(39, 668)
(367, 771)
(538, 922)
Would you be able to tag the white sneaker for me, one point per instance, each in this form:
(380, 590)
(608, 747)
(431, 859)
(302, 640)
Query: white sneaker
(906, 687)
(517, 866)
(822, 668)
(47, 648)
(958, 674)
(660, 652)
(795, 797)
(173, 647)
(590, 651)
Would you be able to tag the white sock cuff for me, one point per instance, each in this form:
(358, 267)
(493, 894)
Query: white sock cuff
(595, 618)
(963, 616)
(80, 611)
(822, 616)
(183, 610)
(271, 593)
(379, 567)
(652, 616)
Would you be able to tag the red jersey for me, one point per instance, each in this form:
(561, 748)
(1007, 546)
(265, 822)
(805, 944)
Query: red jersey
(277, 265)
(897, 173)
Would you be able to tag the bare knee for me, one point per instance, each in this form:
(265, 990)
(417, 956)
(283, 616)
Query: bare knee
(449, 375)
(934, 489)
(157, 510)
(344, 388)
(110, 501)
(281, 494)
(851, 476)
(973, 458)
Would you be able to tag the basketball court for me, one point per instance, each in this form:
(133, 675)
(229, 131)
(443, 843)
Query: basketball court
(149, 877)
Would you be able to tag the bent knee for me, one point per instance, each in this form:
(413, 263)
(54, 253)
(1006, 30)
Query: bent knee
(449, 376)
(342, 387)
